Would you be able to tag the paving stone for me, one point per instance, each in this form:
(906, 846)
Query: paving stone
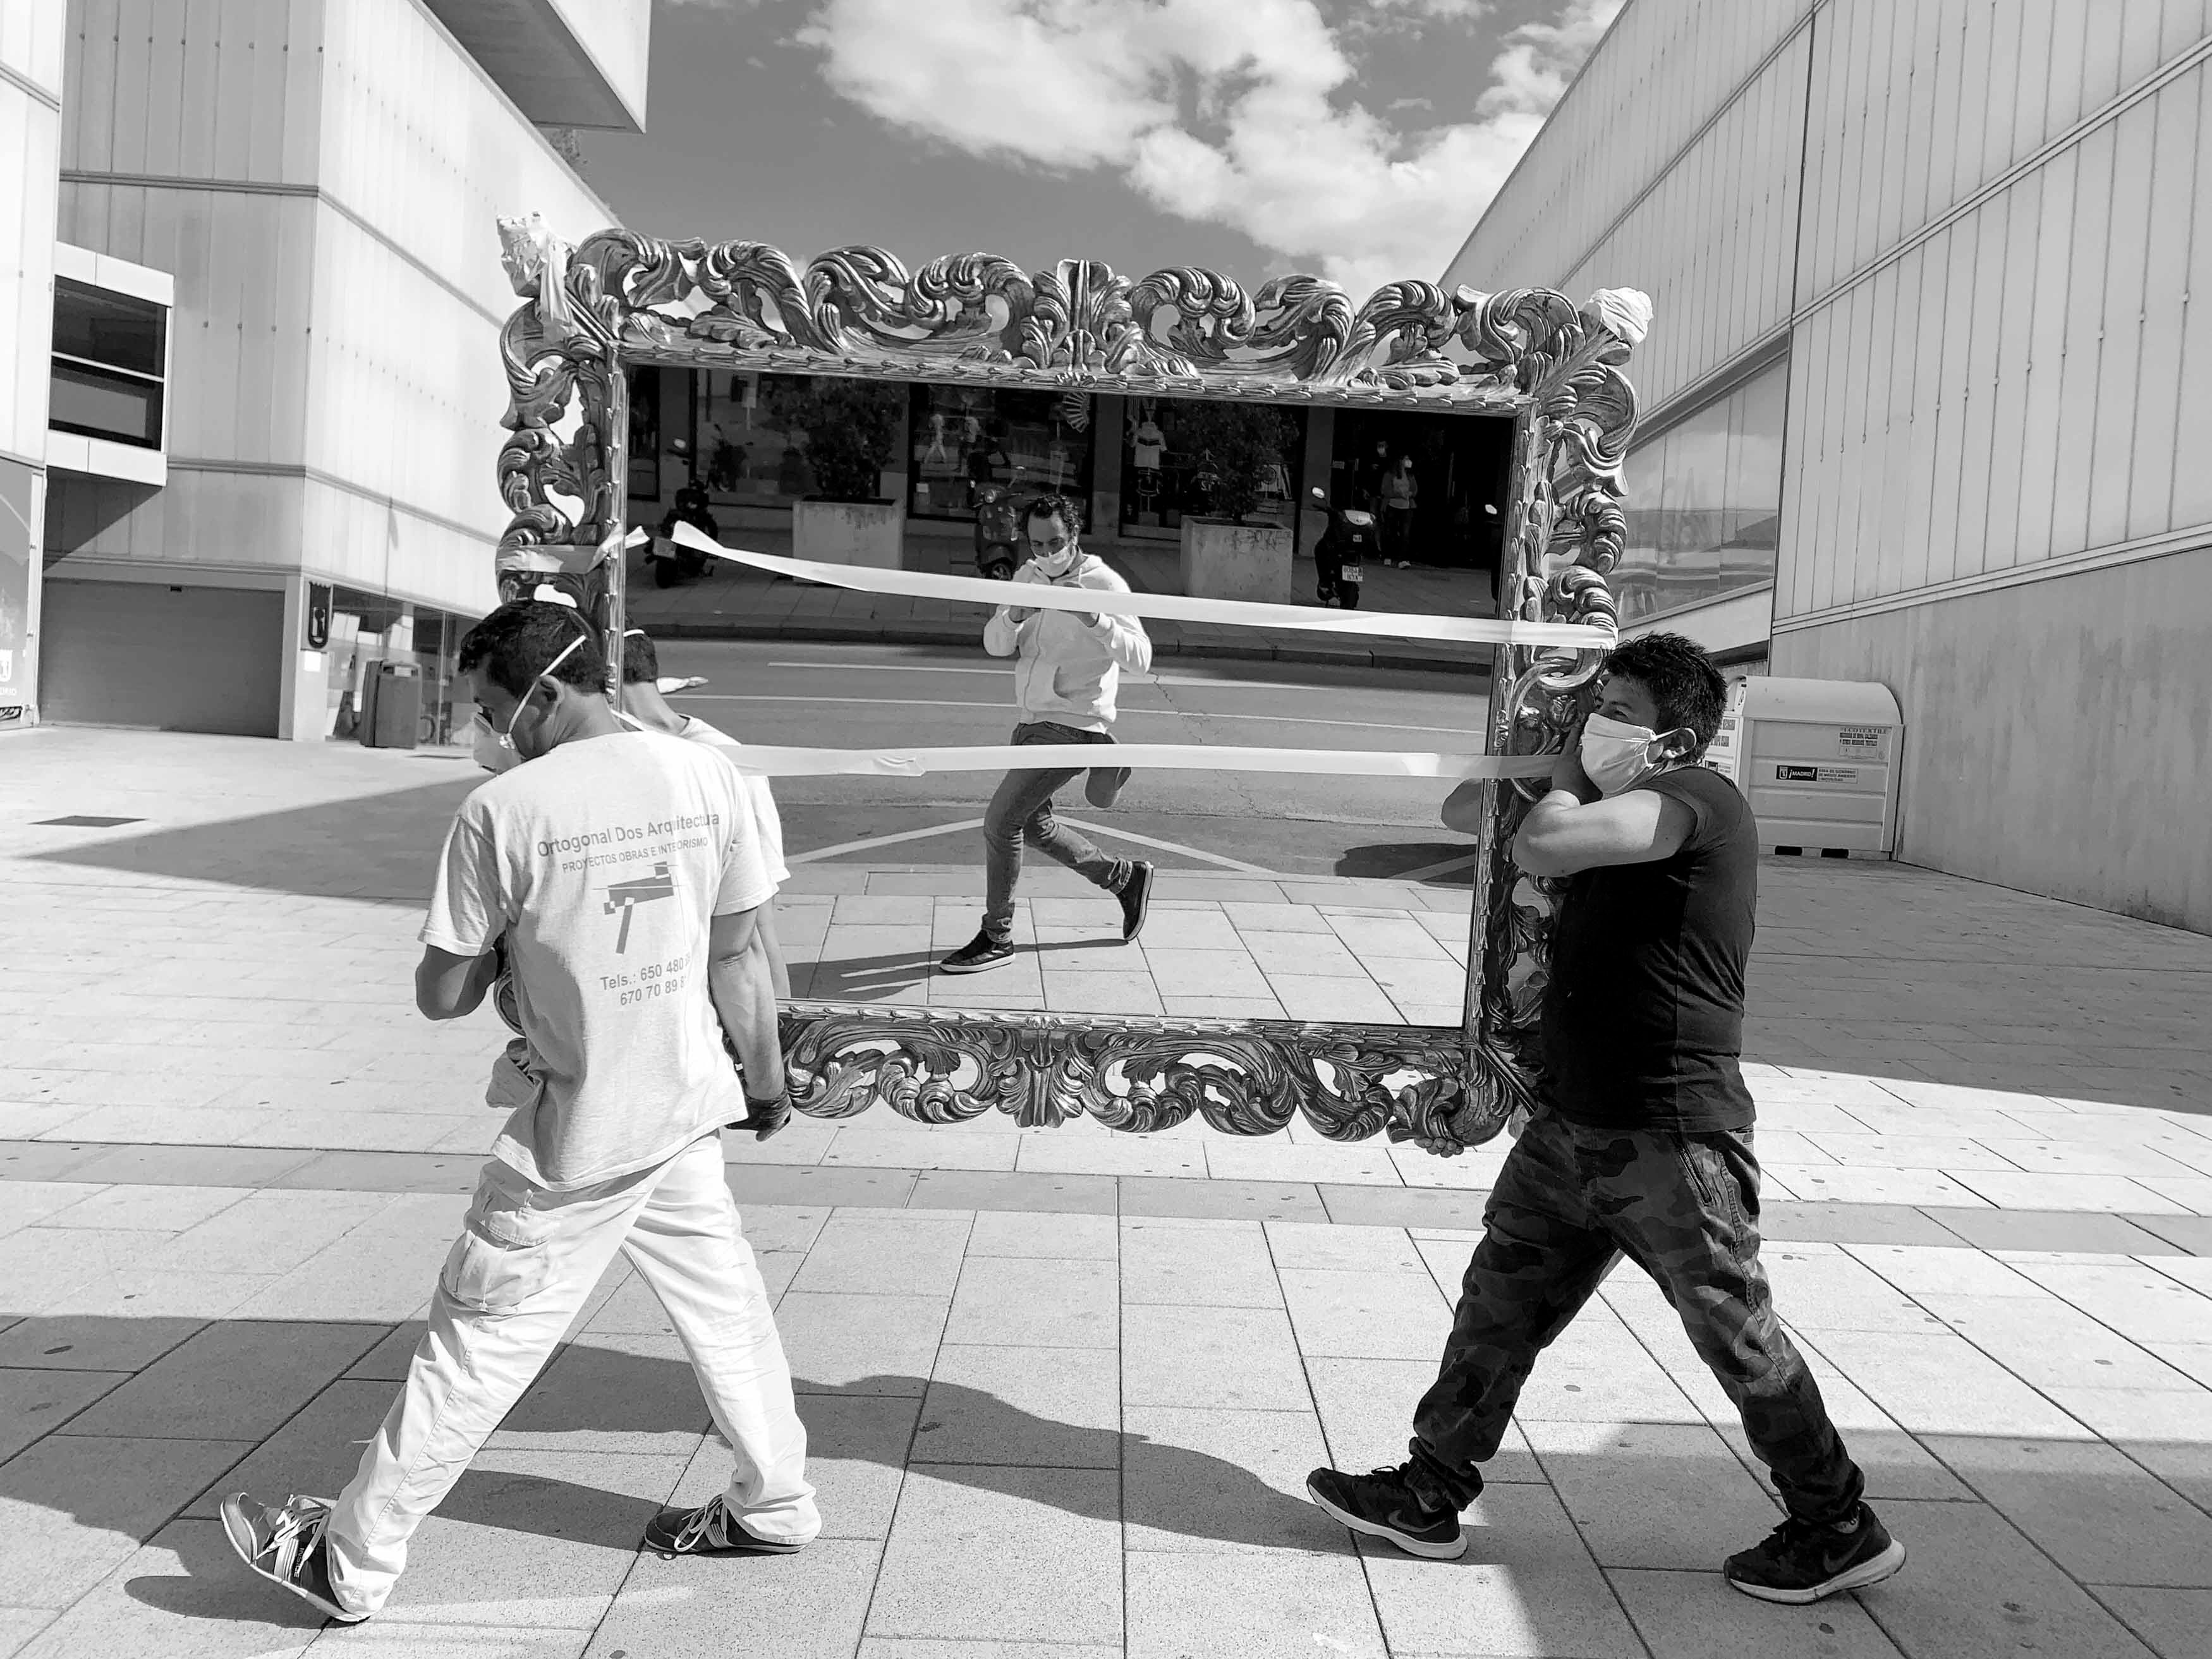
(1028, 1302)
(1373, 1314)
(182, 1596)
(2098, 1515)
(1366, 1408)
(1781, 1220)
(391, 1636)
(240, 1238)
(36, 1402)
(41, 1264)
(1654, 1494)
(861, 1345)
(536, 1539)
(29, 1202)
(73, 1507)
(1202, 1263)
(1937, 1383)
(229, 1381)
(894, 1647)
(1118, 1155)
(1057, 1407)
(1004, 1554)
(318, 1451)
(1597, 1372)
(886, 1254)
(1180, 1606)
(808, 1606)
(2176, 1623)
(92, 1342)
(1277, 1160)
(1226, 1200)
(758, 1184)
(952, 1147)
(18, 1626)
(2192, 1233)
(2134, 1299)
(388, 1360)
(1068, 1196)
(1974, 1589)
(1839, 1184)
(1046, 1236)
(610, 1392)
(1917, 1268)
(1243, 1358)
(1828, 1290)
(856, 1456)
(1342, 1249)
(1199, 1478)
(783, 1226)
(2050, 1344)
(2168, 1431)
(1525, 1590)
(1394, 1206)
(168, 1209)
(1696, 1615)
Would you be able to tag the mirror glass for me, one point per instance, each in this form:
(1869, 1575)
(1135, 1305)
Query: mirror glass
(1294, 895)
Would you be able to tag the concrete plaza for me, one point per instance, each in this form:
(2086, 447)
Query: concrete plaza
(1063, 1386)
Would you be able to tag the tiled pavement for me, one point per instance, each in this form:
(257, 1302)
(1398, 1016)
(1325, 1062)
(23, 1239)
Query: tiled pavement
(1063, 1385)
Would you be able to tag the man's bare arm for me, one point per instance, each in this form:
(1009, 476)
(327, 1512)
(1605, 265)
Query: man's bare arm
(739, 981)
(1564, 835)
(448, 986)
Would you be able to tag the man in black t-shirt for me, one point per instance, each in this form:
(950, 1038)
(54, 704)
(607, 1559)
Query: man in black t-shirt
(1642, 1144)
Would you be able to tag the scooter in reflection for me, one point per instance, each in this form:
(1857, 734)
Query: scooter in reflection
(1340, 555)
(998, 534)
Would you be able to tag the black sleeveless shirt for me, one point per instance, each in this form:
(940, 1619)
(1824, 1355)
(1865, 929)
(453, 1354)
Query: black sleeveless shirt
(1643, 1024)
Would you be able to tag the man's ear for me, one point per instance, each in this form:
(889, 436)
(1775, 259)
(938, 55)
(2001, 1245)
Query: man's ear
(1679, 743)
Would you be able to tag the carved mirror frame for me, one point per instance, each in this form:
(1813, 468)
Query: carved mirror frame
(618, 298)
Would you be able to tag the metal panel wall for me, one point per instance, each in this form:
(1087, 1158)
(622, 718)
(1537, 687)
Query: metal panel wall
(31, 35)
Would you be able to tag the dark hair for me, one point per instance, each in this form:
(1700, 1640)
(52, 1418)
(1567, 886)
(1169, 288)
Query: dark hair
(1063, 507)
(514, 644)
(1685, 686)
(641, 660)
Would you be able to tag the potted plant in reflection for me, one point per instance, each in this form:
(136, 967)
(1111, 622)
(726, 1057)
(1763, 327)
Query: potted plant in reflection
(845, 432)
(1240, 455)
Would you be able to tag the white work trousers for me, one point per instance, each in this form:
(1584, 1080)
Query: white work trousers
(523, 1264)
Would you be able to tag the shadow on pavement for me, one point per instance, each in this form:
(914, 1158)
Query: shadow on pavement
(379, 847)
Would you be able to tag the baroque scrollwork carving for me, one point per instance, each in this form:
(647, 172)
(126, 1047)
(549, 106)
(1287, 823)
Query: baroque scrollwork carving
(1079, 328)
(1244, 1077)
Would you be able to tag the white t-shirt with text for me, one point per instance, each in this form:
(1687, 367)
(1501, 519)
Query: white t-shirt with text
(602, 863)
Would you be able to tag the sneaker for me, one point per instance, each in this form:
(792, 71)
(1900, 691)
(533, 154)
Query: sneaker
(1805, 1560)
(1104, 784)
(710, 1529)
(978, 953)
(1136, 897)
(1384, 1505)
(285, 1546)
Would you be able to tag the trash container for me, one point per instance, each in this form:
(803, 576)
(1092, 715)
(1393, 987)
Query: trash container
(1817, 760)
(391, 707)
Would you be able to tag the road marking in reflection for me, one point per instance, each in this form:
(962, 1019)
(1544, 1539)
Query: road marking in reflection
(867, 842)
(1126, 713)
(1091, 826)
(889, 668)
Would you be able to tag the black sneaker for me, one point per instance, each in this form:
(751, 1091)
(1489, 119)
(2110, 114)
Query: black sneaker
(1103, 785)
(978, 953)
(1384, 1505)
(1805, 1560)
(710, 1529)
(1136, 897)
(284, 1544)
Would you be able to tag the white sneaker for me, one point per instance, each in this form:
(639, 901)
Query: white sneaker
(284, 1544)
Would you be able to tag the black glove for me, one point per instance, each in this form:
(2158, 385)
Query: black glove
(764, 1117)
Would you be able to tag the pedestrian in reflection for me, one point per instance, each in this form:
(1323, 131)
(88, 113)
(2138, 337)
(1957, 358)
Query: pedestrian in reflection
(1067, 666)
(1400, 492)
(621, 871)
(1642, 1143)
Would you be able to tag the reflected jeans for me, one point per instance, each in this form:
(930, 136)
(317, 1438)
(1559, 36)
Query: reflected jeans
(1569, 1203)
(1022, 810)
(525, 1263)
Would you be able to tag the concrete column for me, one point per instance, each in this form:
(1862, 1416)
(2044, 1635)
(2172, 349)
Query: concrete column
(1321, 446)
(303, 698)
(1108, 413)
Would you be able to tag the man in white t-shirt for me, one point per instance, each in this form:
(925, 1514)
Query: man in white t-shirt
(621, 871)
(643, 702)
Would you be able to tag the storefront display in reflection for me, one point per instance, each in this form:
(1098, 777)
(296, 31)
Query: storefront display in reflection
(965, 438)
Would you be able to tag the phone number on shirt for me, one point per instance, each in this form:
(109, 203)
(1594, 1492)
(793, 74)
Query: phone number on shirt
(652, 980)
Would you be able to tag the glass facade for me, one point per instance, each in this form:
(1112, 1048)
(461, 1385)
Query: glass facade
(964, 437)
(742, 439)
(1704, 500)
(1166, 474)
(110, 353)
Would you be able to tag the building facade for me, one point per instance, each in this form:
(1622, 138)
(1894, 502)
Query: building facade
(1929, 392)
(311, 186)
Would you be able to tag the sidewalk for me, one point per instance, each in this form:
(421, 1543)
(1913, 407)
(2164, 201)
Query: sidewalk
(732, 603)
(1063, 1386)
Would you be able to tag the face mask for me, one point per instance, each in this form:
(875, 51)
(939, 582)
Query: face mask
(1615, 754)
(491, 752)
(506, 739)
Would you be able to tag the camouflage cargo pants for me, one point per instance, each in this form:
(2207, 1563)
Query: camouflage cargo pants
(1685, 1208)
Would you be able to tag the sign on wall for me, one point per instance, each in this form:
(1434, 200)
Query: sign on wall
(19, 513)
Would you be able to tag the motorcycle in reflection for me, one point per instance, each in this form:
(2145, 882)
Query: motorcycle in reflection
(998, 534)
(669, 560)
(1340, 555)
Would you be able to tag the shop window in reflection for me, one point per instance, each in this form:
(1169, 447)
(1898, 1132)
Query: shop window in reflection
(965, 438)
(1170, 470)
(1705, 503)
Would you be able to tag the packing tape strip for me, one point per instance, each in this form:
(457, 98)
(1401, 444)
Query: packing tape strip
(1165, 607)
(767, 760)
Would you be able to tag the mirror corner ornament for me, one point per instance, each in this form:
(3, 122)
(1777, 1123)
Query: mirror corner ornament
(620, 297)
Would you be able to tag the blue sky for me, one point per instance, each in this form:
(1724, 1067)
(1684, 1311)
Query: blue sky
(1359, 138)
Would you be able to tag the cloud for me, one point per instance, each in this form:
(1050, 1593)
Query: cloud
(1236, 114)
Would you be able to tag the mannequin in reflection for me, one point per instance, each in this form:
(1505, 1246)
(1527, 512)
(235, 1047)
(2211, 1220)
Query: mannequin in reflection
(1069, 665)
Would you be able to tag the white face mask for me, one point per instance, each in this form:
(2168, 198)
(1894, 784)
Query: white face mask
(1055, 565)
(1615, 754)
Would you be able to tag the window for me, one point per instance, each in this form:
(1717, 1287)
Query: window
(109, 359)
(1704, 502)
(963, 439)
